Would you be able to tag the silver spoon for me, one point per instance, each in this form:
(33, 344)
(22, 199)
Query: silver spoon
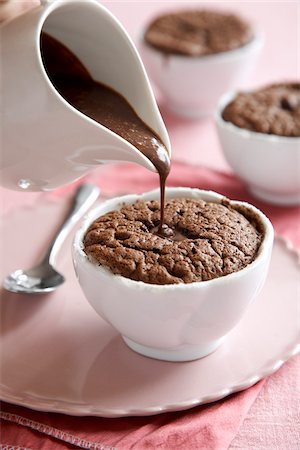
(44, 278)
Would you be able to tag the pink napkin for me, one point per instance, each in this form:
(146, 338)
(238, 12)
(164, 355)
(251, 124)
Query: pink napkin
(210, 427)
(273, 422)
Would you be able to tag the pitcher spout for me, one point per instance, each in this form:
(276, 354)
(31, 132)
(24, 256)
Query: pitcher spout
(93, 155)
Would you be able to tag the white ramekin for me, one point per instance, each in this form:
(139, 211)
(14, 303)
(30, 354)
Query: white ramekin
(178, 322)
(268, 164)
(192, 86)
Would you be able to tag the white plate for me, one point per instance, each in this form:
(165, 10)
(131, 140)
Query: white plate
(58, 355)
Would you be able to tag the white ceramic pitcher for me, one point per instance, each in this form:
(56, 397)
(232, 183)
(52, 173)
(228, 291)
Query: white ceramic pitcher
(46, 142)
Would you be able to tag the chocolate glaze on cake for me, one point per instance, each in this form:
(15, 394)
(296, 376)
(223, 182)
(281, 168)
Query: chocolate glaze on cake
(274, 109)
(197, 33)
(206, 241)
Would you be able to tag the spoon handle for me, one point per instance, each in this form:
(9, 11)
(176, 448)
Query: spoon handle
(85, 196)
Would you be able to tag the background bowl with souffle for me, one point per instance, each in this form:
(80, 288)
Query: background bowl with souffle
(267, 163)
(174, 322)
(191, 79)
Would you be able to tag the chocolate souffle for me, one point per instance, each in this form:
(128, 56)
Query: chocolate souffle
(201, 241)
(197, 33)
(274, 109)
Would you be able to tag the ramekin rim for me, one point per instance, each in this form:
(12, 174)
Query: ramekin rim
(257, 41)
(250, 134)
(266, 243)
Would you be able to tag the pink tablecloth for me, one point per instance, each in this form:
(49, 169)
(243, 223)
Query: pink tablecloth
(214, 426)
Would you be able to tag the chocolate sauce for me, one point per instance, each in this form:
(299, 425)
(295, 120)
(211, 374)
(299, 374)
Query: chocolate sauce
(169, 233)
(105, 106)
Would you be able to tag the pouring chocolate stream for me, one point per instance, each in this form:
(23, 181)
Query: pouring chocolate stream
(105, 106)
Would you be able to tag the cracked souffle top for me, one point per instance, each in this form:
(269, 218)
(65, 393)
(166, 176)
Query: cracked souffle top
(197, 33)
(274, 109)
(201, 241)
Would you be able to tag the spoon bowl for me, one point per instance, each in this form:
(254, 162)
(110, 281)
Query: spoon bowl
(38, 280)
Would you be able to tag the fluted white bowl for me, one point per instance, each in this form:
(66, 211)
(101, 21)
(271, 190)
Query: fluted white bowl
(192, 86)
(269, 165)
(178, 322)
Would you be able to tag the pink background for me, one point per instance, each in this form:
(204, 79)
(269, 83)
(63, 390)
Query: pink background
(196, 141)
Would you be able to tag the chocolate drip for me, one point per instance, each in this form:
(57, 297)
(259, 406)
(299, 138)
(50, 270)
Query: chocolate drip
(169, 233)
(104, 105)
